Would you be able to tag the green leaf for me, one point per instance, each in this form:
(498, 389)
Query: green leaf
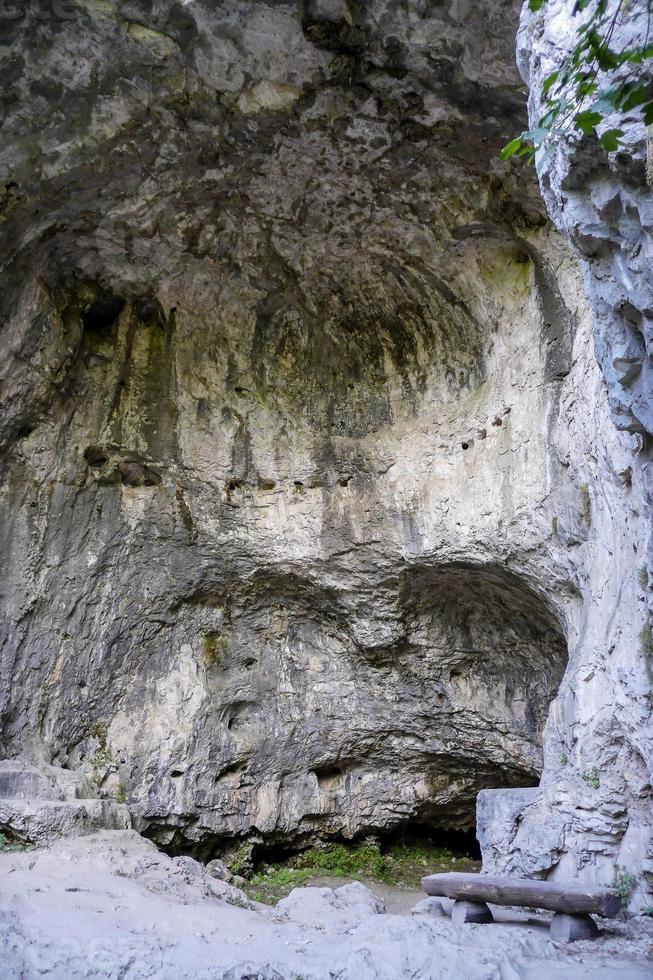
(549, 81)
(535, 5)
(639, 55)
(636, 96)
(537, 135)
(606, 58)
(511, 148)
(546, 122)
(587, 121)
(604, 105)
(586, 88)
(648, 113)
(610, 139)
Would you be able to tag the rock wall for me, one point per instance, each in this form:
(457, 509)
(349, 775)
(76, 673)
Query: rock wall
(602, 204)
(314, 518)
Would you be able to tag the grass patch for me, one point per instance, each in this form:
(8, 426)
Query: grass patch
(9, 844)
(402, 865)
(592, 778)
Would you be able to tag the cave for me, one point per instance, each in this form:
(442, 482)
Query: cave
(325, 438)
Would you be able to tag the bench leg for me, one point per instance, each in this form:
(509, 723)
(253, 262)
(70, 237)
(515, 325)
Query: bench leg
(470, 912)
(567, 928)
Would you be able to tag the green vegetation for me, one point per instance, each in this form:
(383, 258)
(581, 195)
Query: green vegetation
(214, 646)
(100, 760)
(588, 85)
(240, 861)
(99, 730)
(624, 881)
(642, 576)
(646, 638)
(9, 844)
(586, 503)
(554, 524)
(564, 758)
(402, 865)
(592, 778)
(121, 793)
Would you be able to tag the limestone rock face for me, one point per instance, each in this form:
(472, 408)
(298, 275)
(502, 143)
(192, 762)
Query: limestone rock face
(314, 520)
(602, 203)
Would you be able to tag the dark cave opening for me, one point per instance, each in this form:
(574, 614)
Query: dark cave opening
(100, 315)
(460, 842)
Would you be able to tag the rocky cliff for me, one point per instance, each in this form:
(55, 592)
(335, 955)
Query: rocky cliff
(315, 518)
(602, 203)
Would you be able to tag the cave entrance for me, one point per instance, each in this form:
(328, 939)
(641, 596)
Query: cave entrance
(372, 740)
(461, 844)
(492, 655)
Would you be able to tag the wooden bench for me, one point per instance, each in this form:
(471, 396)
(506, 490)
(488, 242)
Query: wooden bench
(571, 902)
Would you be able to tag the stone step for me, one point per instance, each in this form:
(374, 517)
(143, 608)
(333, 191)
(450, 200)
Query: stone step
(22, 781)
(39, 821)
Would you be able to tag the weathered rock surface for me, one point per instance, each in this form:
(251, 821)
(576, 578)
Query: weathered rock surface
(37, 806)
(602, 203)
(311, 498)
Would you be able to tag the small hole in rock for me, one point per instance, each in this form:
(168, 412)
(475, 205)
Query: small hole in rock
(266, 485)
(102, 313)
(327, 772)
(138, 475)
(464, 445)
(149, 310)
(497, 421)
(95, 456)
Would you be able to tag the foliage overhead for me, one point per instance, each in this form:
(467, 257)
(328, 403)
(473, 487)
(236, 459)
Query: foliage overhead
(584, 90)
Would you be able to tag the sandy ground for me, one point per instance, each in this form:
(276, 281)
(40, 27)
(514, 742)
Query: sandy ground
(111, 906)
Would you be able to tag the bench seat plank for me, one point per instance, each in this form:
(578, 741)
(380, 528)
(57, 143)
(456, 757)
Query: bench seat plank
(572, 898)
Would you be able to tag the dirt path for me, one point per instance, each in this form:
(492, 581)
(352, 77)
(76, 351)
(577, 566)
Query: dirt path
(397, 899)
